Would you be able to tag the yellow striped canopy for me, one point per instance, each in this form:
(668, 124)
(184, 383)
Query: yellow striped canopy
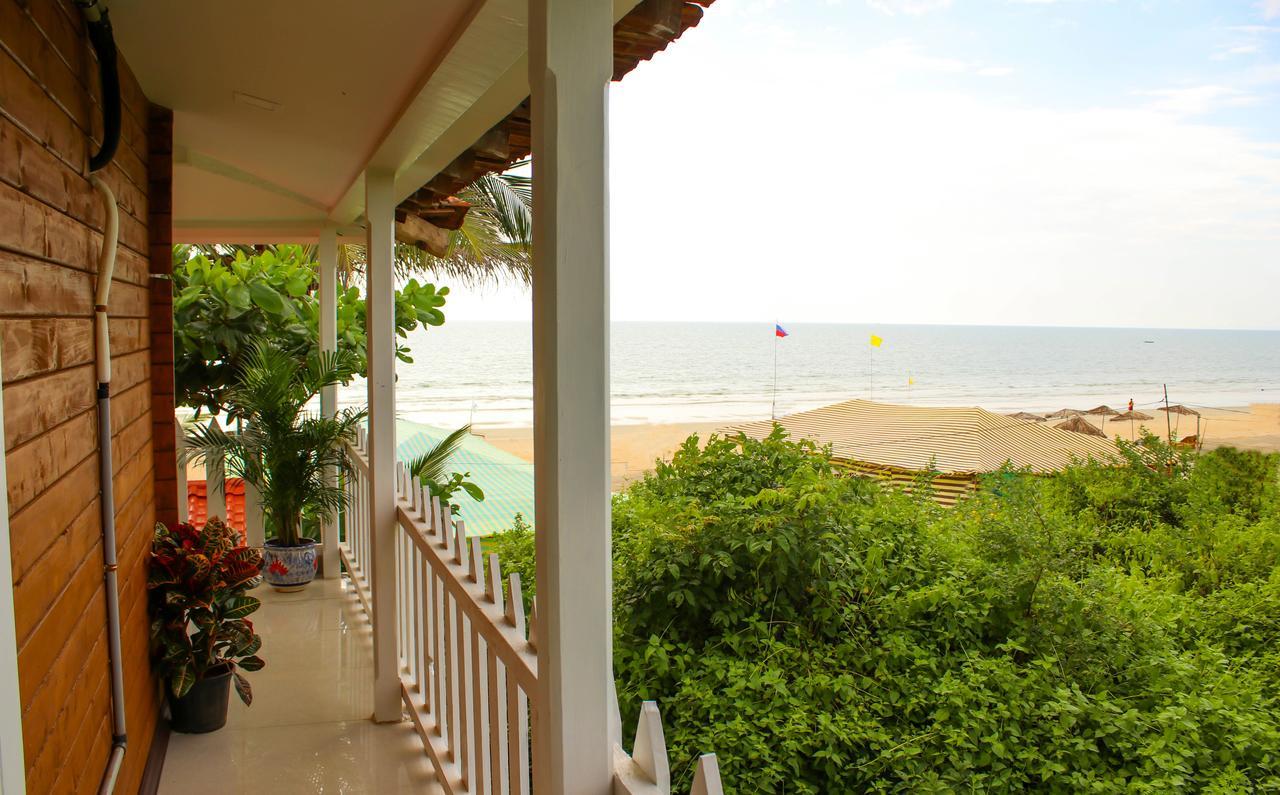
(952, 441)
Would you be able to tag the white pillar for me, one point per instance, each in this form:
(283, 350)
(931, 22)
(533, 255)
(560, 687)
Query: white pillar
(328, 261)
(570, 63)
(380, 328)
(184, 496)
(215, 486)
(255, 531)
(12, 767)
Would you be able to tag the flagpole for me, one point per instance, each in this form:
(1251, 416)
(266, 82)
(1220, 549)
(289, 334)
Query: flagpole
(773, 409)
(871, 371)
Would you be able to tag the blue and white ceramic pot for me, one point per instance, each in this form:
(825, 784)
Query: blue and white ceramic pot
(290, 568)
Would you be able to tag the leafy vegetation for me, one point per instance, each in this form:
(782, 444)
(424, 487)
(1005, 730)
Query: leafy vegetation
(1109, 629)
(281, 450)
(223, 305)
(432, 469)
(197, 588)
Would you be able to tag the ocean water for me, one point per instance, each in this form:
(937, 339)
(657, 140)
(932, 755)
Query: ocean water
(710, 372)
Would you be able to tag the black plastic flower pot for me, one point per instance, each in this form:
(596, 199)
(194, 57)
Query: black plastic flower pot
(204, 707)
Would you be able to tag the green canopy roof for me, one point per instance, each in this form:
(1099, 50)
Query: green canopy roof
(506, 479)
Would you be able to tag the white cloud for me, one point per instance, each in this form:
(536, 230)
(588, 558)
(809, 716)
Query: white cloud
(1270, 8)
(909, 7)
(1196, 100)
(905, 55)
(1239, 49)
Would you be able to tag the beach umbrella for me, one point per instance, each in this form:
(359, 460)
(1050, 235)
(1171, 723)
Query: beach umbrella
(1079, 424)
(1133, 416)
(1026, 415)
(1062, 414)
(1186, 412)
(1104, 411)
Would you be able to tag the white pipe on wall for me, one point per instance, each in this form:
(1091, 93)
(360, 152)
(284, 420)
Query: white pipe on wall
(110, 564)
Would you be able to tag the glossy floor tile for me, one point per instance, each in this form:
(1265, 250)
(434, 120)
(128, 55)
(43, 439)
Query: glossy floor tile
(308, 730)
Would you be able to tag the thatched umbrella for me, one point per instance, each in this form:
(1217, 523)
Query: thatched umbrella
(1026, 415)
(1079, 424)
(1184, 411)
(1133, 416)
(1061, 414)
(1104, 411)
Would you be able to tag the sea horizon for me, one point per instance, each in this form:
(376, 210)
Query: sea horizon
(714, 371)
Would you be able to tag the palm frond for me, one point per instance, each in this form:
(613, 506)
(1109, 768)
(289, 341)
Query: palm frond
(431, 466)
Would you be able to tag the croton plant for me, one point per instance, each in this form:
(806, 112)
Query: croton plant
(197, 588)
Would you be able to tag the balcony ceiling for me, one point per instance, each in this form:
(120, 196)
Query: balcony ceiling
(345, 84)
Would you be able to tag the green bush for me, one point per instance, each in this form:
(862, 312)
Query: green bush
(1106, 630)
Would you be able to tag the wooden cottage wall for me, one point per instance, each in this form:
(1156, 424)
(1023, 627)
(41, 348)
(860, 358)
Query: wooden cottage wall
(50, 224)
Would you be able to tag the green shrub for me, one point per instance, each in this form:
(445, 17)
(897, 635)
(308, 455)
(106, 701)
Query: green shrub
(1106, 630)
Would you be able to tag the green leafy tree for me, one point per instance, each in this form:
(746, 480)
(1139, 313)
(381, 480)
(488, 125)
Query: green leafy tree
(223, 306)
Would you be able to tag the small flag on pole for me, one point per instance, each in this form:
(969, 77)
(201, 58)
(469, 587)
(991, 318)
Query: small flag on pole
(779, 331)
(876, 341)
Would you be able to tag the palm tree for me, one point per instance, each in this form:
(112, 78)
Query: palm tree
(494, 243)
(282, 451)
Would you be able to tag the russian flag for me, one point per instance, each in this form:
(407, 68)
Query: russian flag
(779, 331)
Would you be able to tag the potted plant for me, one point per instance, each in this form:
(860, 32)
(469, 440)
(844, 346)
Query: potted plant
(200, 630)
(285, 452)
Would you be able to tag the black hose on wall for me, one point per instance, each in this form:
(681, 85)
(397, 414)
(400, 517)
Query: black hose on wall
(104, 46)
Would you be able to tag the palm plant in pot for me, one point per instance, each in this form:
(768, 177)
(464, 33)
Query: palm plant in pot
(200, 630)
(284, 452)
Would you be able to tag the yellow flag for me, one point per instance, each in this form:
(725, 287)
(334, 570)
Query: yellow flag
(910, 380)
(875, 341)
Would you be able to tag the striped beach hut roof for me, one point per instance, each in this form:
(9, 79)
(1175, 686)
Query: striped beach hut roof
(950, 440)
(506, 479)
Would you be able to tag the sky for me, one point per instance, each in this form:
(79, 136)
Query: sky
(1002, 162)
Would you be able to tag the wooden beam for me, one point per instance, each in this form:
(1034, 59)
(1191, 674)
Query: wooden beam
(423, 234)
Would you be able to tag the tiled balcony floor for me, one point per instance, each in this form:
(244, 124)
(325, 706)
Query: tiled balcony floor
(308, 730)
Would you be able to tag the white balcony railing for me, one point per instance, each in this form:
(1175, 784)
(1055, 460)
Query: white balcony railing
(468, 654)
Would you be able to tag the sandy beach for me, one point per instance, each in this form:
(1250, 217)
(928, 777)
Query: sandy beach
(1254, 427)
(636, 447)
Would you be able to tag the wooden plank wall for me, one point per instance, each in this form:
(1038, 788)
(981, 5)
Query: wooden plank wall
(50, 223)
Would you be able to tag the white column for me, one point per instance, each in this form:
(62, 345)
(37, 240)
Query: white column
(570, 63)
(328, 261)
(380, 328)
(184, 497)
(255, 531)
(12, 768)
(215, 486)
